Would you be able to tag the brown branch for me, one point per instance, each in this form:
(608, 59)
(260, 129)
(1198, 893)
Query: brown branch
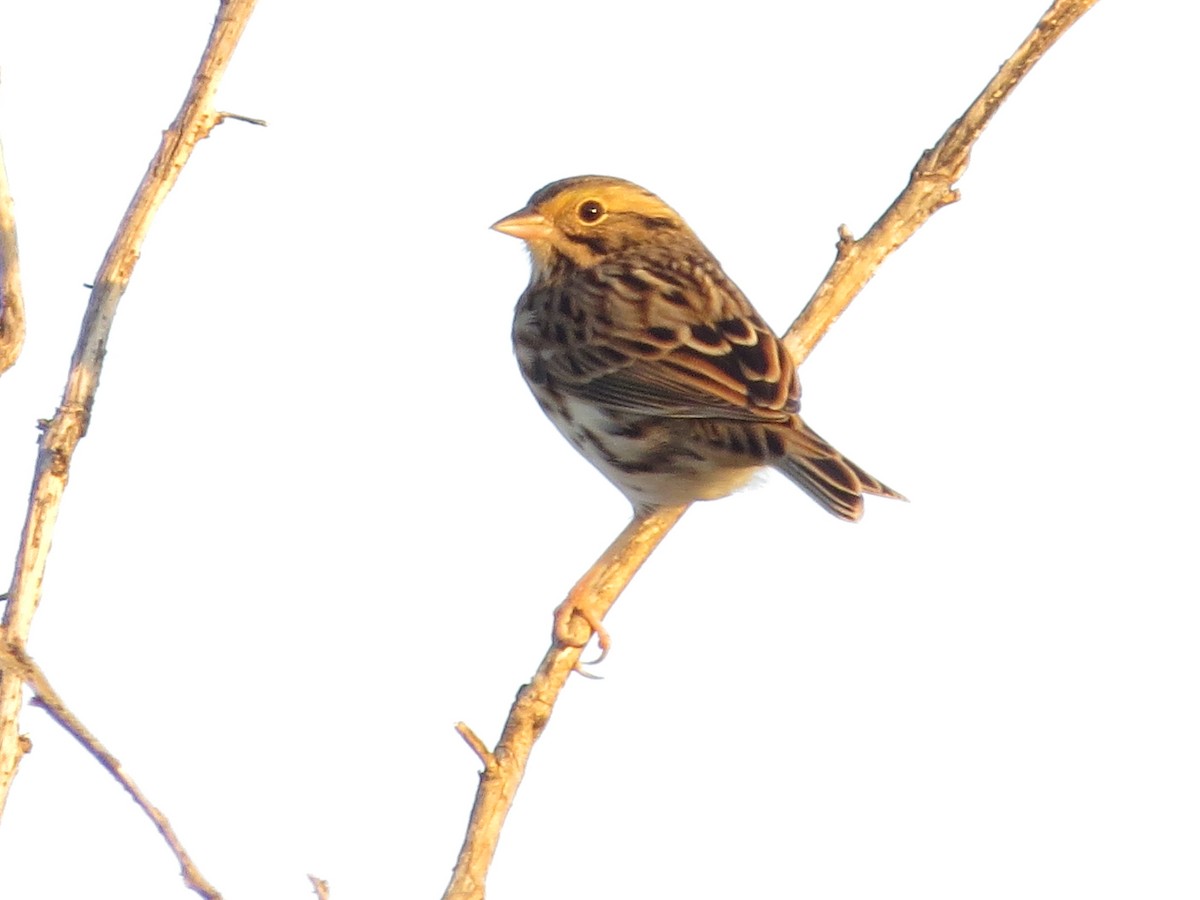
(12, 305)
(15, 661)
(475, 742)
(505, 767)
(930, 188)
(196, 118)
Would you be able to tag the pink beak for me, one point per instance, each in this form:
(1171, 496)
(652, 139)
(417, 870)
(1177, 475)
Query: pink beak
(528, 226)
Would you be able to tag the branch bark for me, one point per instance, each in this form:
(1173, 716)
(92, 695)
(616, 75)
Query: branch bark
(195, 120)
(930, 187)
(12, 304)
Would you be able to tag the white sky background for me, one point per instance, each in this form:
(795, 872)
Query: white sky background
(318, 519)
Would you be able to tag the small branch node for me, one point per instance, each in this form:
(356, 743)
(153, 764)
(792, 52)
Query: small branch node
(477, 745)
(845, 243)
(320, 887)
(222, 116)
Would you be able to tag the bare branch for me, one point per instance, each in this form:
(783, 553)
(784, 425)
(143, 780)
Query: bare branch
(221, 117)
(195, 120)
(15, 661)
(930, 188)
(12, 305)
(535, 701)
(476, 743)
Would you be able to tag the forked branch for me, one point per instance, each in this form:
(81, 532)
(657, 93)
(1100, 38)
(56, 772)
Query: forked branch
(930, 187)
(14, 660)
(196, 118)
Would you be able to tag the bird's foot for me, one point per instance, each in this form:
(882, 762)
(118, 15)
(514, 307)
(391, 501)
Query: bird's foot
(570, 615)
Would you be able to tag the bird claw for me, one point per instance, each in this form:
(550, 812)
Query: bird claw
(567, 635)
(580, 668)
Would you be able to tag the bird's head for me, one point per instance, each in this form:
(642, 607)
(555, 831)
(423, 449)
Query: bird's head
(590, 217)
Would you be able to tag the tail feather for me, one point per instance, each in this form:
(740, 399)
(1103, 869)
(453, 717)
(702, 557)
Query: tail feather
(827, 476)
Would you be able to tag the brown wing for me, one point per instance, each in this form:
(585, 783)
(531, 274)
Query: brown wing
(676, 339)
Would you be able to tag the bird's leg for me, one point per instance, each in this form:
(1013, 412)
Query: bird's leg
(592, 596)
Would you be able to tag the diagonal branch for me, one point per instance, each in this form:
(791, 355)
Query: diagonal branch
(196, 118)
(15, 661)
(930, 187)
(505, 767)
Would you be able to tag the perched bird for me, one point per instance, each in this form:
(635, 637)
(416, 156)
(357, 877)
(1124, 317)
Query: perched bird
(650, 360)
(653, 364)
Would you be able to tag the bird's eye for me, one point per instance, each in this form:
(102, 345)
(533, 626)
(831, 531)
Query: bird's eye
(590, 211)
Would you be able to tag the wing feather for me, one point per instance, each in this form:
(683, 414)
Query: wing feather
(687, 346)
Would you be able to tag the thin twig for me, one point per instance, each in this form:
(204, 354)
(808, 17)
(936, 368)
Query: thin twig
(15, 660)
(930, 188)
(476, 743)
(195, 120)
(12, 304)
(238, 117)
